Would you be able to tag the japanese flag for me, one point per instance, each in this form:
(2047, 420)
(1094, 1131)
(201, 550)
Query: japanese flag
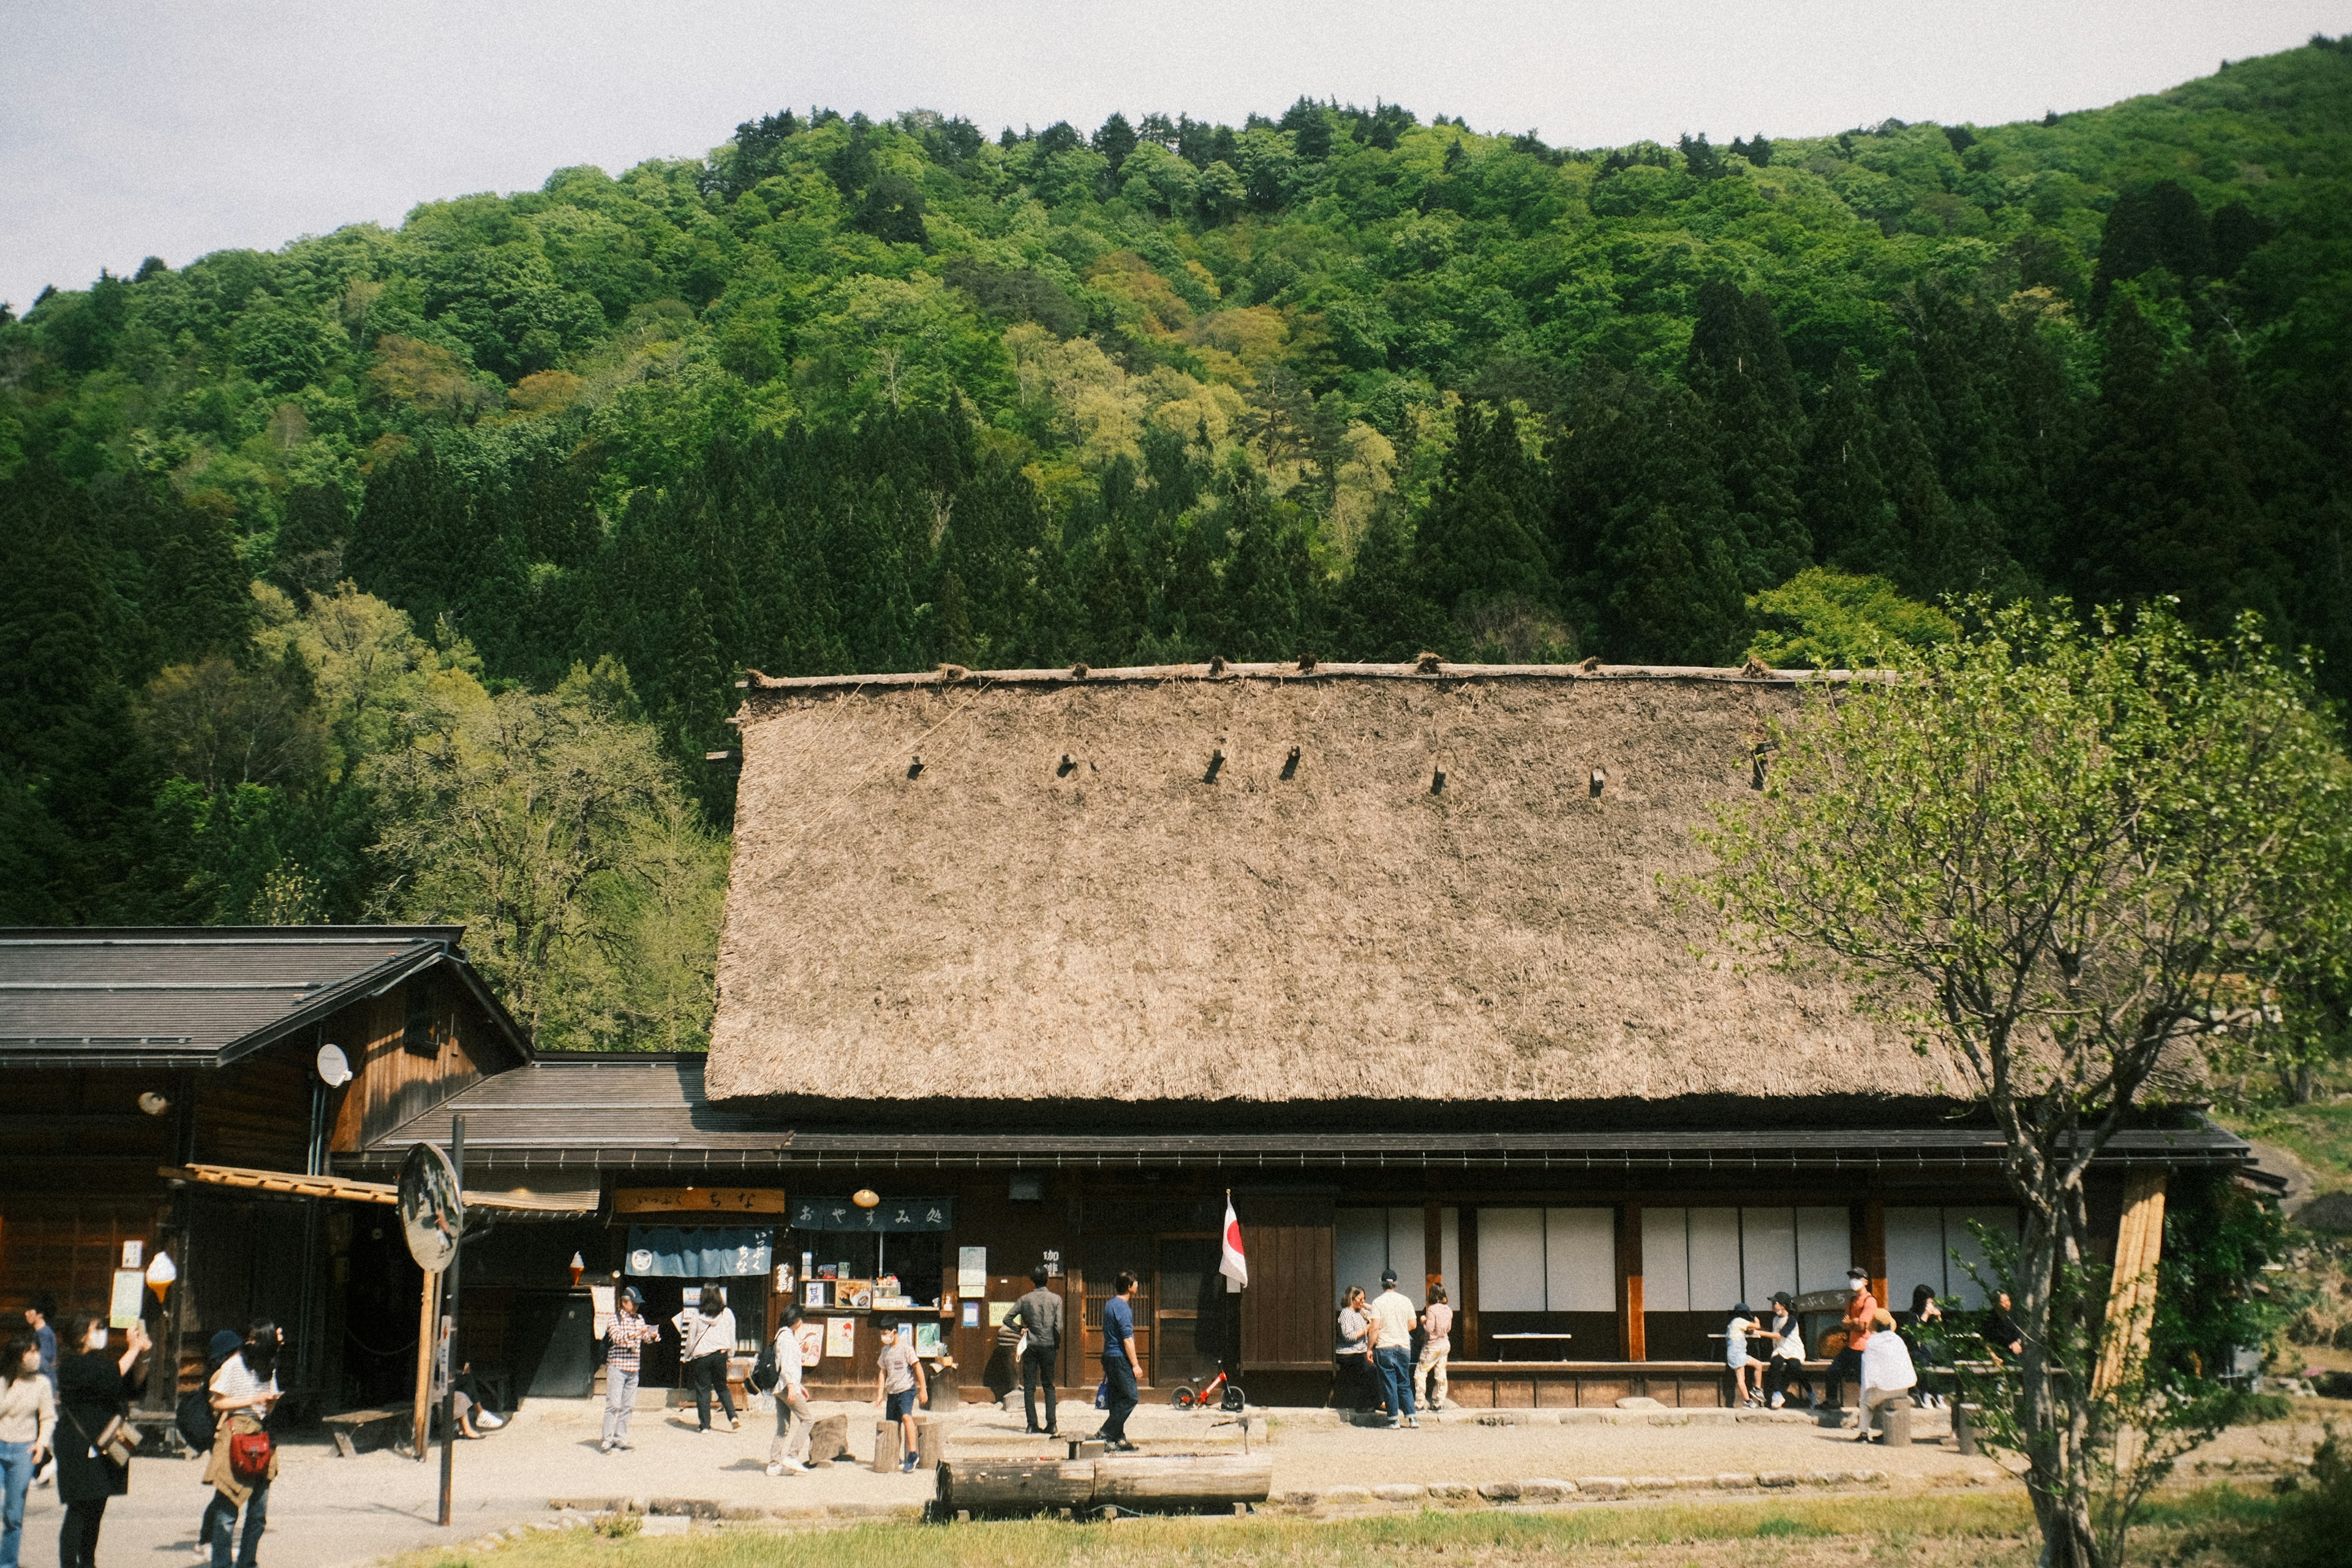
(1233, 1266)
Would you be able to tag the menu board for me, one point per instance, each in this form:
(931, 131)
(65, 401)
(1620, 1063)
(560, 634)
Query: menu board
(123, 1311)
(972, 1271)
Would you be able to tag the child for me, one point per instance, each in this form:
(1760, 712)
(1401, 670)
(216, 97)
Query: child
(898, 1388)
(1746, 1370)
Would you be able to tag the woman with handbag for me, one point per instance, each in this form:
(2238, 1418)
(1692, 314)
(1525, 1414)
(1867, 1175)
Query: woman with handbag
(244, 1460)
(95, 1438)
(704, 1342)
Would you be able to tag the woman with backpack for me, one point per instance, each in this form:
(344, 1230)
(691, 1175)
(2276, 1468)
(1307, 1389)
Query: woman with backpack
(95, 1439)
(245, 1460)
(781, 1371)
(195, 1421)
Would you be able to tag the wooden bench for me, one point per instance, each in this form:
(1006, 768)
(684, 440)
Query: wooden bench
(359, 1431)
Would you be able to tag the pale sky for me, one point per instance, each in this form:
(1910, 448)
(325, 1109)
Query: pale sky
(177, 127)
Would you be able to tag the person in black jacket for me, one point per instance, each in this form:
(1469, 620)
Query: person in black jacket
(95, 1385)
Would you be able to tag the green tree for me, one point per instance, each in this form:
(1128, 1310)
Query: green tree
(2053, 854)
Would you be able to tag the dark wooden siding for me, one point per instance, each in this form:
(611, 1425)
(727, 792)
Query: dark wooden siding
(1288, 1311)
(390, 1082)
(70, 1246)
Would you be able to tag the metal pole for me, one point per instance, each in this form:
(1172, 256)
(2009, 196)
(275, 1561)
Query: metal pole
(449, 1331)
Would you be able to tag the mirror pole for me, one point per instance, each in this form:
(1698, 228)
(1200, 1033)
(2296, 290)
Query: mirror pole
(449, 1325)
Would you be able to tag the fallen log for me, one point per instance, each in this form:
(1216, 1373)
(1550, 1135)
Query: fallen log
(1148, 1481)
(1013, 1485)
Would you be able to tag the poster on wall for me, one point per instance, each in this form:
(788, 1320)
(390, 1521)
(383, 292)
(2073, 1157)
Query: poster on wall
(928, 1342)
(809, 1337)
(841, 1336)
(972, 1314)
(972, 1271)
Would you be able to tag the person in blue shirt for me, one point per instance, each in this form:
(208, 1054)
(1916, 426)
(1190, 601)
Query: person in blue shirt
(1121, 1364)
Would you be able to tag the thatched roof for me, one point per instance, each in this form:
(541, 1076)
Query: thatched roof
(1060, 904)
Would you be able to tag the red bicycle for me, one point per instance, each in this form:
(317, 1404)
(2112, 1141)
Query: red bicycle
(1222, 1390)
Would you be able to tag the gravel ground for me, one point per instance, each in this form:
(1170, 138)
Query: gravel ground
(327, 1511)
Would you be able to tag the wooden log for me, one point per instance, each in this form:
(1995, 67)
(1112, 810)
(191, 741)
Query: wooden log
(1183, 1480)
(1013, 1485)
(888, 1445)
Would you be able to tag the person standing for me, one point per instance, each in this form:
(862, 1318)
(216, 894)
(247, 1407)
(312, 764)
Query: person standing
(1353, 1354)
(898, 1388)
(1747, 1369)
(704, 1342)
(1121, 1366)
(95, 1388)
(37, 1318)
(624, 1338)
(1788, 1368)
(1393, 1321)
(244, 1391)
(1861, 1307)
(1437, 1345)
(1038, 1314)
(789, 1449)
(28, 1432)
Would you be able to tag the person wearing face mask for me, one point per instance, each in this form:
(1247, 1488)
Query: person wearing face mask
(28, 1430)
(244, 1391)
(95, 1384)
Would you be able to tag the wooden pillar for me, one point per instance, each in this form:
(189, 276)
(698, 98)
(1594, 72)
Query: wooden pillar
(1870, 1246)
(2131, 1293)
(1466, 1318)
(1633, 1335)
(1433, 1245)
(425, 1335)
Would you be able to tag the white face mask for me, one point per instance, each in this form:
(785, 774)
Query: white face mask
(98, 1338)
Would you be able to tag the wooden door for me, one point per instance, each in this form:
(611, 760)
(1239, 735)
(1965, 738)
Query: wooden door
(1104, 1263)
(1187, 1315)
(1289, 1317)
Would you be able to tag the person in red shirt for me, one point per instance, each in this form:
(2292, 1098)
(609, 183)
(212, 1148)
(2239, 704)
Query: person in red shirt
(1861, 1307)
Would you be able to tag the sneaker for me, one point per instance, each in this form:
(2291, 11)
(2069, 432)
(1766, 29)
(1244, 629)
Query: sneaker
(1777, 1401)
(1413, 1422)
(734, 1423)
(907, 1465)
(798, 1468)
(606, 1446)
(775, 1470)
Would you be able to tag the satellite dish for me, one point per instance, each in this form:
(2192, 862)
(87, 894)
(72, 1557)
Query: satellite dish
(431, 1210)
(334, 1071)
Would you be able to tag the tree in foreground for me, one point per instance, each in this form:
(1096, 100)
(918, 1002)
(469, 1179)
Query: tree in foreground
(2068, 860)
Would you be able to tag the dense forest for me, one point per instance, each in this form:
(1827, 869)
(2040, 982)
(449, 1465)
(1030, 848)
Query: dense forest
(407, 573)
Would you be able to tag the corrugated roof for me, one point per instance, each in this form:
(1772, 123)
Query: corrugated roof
(627, 1112)
(181, 995)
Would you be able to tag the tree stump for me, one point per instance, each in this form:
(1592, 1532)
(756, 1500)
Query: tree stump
(888, 1449)
(1895, 1423)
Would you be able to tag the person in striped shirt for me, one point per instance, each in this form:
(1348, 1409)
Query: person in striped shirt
(625, 1337)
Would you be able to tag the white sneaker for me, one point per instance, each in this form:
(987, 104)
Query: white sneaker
(1779, 1400)
(775, 1470)
(797, 1467)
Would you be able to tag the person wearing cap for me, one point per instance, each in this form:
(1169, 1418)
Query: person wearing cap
(1861, 1309)
(1788, 1368)
(1393, 1321)
(625, 1337)
(1746, 1370)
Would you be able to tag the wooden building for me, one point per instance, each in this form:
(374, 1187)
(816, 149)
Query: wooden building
(157, 1088)
(1051, 962)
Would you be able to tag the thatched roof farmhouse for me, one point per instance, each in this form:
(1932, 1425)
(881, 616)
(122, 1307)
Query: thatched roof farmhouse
(1252, 887)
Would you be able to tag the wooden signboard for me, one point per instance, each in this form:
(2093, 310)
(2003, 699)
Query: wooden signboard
(698, 1200)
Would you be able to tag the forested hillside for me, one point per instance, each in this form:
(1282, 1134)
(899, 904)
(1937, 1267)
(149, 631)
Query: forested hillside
(314, 561)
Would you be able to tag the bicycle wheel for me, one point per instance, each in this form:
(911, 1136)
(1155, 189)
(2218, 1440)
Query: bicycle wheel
(1182, 1398)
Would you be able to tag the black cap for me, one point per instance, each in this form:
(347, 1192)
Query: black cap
(1388, 1275)
(1741, 1311)
(1782, 1298)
